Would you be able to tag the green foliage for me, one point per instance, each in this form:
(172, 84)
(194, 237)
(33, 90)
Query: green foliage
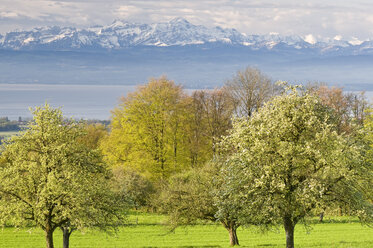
(292, 160)
(367, 138)
(189, 196)
(94, 133)
(145, 131)
(196, 196)
(159, 130)
(132, 188)
(50, 179)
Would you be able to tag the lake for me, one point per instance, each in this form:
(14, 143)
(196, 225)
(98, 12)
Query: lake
(77, 101)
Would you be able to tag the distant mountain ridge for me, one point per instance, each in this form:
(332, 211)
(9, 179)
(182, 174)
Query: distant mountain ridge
(177, 32)
(125, 53)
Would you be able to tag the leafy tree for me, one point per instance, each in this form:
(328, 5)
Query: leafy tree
(132, 188)
(159, 130)
(94, 133)
(195, 196)
(348, 111)
(50, 179)
(146, 130)
(291, 159)
(367, 138)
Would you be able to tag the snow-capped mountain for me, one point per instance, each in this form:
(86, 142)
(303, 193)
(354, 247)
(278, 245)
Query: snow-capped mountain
(194, 55)
(177, 32)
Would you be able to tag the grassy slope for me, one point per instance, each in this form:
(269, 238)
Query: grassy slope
(149, 233)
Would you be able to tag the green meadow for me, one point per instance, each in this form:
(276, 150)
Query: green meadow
(151, 232)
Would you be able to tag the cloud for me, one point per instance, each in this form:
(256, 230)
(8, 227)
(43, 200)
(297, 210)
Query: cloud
(9, 14)
(318, 17)
(126, 11)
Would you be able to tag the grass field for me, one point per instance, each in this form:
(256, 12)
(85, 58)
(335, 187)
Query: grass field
(150, 233)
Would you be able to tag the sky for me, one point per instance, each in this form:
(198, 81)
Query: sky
(340, 19)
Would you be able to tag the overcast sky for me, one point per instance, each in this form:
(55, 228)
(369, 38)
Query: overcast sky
(326, 18)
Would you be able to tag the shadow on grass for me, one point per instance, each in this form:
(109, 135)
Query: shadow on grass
(334, 221)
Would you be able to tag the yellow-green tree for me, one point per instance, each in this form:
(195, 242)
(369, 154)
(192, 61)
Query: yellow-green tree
(94, 133)
(368, 141)
(49, 178)
(146, 130)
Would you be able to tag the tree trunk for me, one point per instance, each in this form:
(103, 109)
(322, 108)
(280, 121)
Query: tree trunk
(289, 230)
(321, 217)
(232, 229)
(66, 237)
(49, 237)
(233, 236)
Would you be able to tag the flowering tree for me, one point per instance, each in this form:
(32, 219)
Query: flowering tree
(49, 178)
(290, 159)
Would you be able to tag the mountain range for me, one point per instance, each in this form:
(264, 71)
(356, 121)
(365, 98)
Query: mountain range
(196, 56)
(177, 32)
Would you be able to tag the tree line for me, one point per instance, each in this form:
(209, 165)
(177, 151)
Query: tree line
(252, 152)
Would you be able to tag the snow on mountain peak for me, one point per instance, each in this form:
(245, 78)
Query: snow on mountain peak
(176, 32)
(117, 23)
(310, 39)
(355, 41)
(179, 20)
(338, 37)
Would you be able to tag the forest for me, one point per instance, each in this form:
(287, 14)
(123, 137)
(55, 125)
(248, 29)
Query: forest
(252, 153)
